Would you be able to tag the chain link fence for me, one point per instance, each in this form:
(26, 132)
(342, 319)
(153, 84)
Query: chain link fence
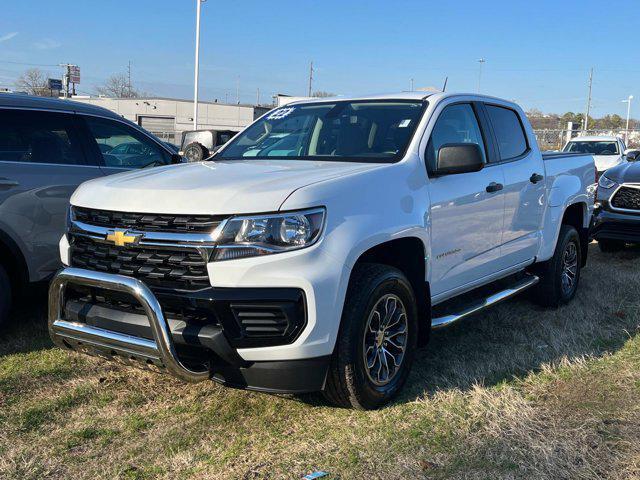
(549, 139)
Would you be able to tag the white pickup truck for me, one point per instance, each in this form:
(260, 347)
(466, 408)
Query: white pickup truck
(319, 246)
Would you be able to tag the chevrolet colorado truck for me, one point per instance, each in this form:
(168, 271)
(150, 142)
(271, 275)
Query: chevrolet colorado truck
(319, 246)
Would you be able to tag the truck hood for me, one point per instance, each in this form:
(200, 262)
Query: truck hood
(604, 162)
(214, 187)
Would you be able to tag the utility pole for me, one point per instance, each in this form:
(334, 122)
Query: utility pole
(480, 62)
(258, 96)
(626, 131)
(411, 85)
(586, 115)
(129, 79)
(66, 76)
(238, 90)
(197, 68)
(310, 78)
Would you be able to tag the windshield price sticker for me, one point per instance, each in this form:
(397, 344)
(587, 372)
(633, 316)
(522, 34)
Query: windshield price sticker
(281, 113)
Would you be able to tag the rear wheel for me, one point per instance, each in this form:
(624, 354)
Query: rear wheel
(607, 246)
(377, 339)
(560, 275)
(5, 296)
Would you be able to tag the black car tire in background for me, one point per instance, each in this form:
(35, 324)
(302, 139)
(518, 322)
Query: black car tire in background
(607, 246)
(196, 152)
(5, 296)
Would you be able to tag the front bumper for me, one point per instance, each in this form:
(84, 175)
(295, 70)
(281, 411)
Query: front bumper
(190, 350)
(608, 225)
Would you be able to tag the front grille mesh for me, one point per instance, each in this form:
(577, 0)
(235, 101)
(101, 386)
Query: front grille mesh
(183, 268)
(627, 197)
(148, 221)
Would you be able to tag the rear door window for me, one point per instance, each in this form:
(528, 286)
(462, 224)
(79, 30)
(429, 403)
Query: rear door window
(39, 137)
(512, 141)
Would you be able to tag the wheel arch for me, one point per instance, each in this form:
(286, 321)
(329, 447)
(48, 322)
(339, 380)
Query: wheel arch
(576, 215)
(407, 254)
(12, 259)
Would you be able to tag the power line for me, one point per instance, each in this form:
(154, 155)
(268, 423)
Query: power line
(29, 64)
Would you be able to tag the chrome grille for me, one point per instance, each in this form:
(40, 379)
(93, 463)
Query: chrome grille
(168, 267)
(627, 198)
(147, 221)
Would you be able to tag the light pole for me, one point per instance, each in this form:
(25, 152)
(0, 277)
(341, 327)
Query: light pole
(195, 83)
(626, 131)
(480, 61)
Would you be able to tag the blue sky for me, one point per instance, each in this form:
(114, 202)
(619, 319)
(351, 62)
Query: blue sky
(537, 53)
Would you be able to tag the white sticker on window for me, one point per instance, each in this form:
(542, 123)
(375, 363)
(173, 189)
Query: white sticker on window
(404, 123)
(280, 113)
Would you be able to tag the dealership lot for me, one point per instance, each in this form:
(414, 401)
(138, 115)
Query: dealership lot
(517, 392)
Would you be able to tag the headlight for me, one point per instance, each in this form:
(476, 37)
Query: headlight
(250, 236)
(605, 182)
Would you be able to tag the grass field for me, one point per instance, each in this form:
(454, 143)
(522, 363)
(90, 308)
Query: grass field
(517, 392)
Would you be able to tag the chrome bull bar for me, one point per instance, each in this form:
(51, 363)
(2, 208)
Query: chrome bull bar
(66, 334)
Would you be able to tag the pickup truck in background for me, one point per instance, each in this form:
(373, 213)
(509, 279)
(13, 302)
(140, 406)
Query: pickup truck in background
(319, 246)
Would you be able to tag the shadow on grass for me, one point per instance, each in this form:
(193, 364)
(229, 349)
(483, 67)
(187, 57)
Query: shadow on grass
(27, 328)
(517, 337)
(508, 341)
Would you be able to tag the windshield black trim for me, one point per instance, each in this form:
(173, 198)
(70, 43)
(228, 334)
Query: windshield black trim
(322, 158)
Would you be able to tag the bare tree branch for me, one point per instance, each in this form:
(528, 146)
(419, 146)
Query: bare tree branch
(117, 86)
(34, 82)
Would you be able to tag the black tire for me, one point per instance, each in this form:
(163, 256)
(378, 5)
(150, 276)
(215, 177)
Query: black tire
(607, 246)
(349, 382)
(551, 291)
(196, 152)
(5, 296)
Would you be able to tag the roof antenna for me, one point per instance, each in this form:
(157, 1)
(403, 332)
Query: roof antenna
(444, 87)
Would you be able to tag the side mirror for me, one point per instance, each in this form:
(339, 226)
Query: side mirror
(176, 158)
(459, 158)
(632, 155)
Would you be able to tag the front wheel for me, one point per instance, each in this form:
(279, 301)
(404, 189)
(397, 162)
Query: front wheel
(377, 340)
(560, 275)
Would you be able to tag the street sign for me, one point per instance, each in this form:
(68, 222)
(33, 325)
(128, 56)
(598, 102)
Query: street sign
(54, 84)
(74, 74)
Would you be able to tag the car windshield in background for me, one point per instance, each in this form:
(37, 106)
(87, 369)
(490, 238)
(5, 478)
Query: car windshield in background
(360, 131)
(593, 148)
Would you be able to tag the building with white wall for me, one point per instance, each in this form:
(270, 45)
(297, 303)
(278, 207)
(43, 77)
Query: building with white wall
(169, 117)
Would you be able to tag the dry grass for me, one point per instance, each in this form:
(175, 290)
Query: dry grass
(518, 392)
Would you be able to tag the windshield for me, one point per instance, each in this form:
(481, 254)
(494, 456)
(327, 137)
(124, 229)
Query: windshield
(361, 131)
(593, 148)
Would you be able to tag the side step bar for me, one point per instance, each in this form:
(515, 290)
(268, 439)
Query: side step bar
(519, 286)
(79, 336)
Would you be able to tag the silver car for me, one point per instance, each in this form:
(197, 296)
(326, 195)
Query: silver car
(47, 148)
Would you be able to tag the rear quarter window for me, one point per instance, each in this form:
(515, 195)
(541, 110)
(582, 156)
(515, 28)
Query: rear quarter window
(512, 141)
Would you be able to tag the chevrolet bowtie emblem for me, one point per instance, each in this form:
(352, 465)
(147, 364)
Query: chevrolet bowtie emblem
(120, 238)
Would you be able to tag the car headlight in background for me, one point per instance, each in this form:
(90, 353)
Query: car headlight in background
(250, 236)
(605, 182)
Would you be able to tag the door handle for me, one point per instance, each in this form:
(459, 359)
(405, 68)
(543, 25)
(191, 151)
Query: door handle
(535, 178)
(494, 187)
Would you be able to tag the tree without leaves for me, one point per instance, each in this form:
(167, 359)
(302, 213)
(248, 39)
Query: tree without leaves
(117, 86)
(34, 82)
